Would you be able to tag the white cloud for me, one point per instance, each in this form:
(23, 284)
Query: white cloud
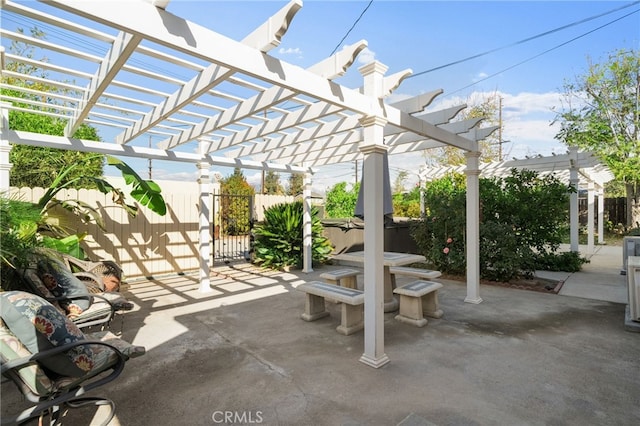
(290, 51)
(367, 55)
(254, 178)
(480, 76)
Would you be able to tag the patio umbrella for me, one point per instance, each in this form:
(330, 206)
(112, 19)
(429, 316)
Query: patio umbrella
(387, 202)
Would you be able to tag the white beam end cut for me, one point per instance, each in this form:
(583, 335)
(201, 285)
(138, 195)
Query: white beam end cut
(391, 83)
(337, 65)
(268, 35)
(417, 103)
(160, 4)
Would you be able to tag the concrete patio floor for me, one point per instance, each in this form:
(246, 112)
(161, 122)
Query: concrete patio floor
(242, 351)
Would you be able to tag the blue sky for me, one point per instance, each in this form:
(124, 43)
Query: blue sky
(422, 35)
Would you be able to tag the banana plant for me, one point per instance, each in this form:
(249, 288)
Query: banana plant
(145, 192)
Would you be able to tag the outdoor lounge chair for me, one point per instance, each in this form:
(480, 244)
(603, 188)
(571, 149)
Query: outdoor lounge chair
(80, 298)
(52, 362)
(109, 272)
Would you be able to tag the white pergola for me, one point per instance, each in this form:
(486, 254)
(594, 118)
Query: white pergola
(137, 72)
(581, 170)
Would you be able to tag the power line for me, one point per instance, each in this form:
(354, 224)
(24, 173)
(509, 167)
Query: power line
(582, 21)
(350, 29)
(545, 52)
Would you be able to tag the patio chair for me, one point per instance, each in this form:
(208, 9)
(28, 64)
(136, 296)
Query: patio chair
(109, 272)
(52, 363)
(80, 299)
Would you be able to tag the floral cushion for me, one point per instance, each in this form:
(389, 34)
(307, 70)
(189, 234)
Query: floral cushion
(40, 326)
(32, 375)
(62, 283)
(129, 350)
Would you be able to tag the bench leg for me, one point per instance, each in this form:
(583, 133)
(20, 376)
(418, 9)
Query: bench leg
(352, 319)
(430, 306)
(411, 311)
(314, 308)
(350, 282)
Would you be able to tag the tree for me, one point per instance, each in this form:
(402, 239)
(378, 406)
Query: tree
(37, 166)
(234, 210)
(272, 183)
(296, 184)
(340, 202)
(487, 107)
(398, 184)
(602, 115)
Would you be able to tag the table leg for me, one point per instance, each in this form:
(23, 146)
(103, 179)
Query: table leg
(390, 302)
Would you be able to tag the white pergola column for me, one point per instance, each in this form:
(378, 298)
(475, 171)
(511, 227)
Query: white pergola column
(5, 150)
(204, 229)
(374, 354)
(591, 217)
(574, 180)
(374, 150)
(473, 226)
(307, 238)
(600, 195)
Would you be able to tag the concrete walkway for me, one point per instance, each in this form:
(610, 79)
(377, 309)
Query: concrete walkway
(600, 279)
(241, 355)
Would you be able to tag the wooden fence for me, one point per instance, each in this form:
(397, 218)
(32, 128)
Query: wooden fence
(148, 244)
(615, 210)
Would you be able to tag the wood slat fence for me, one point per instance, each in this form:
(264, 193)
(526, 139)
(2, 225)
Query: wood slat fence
(148, 244)
(615, 210)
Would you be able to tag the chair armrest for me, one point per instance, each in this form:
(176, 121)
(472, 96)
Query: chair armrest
(34, 358)
(81, 384)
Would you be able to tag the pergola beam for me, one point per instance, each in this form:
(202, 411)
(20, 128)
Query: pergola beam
(82, 145)
(123, 47)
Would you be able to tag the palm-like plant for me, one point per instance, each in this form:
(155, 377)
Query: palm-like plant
(278, 240)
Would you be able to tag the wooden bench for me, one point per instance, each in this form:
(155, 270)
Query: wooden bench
(342, 277)
(417, 299)
(426, 274)
(352, 307)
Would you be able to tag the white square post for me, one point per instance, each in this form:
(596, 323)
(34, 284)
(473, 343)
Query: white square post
(373, 149)
(204, 229)
(574, 181)
(600, 195)
(5, 150)
(307, 237)
(473, 225)
(591, 217)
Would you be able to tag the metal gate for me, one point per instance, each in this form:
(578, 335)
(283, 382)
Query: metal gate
(233, 222)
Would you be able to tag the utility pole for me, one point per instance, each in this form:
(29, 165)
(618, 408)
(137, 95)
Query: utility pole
(500, 128)
(150, 168)
(356, 182)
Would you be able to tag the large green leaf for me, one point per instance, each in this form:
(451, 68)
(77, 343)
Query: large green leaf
(146, 192)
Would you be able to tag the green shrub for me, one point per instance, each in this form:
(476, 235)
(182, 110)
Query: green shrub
(278, 240)
(440, 235)
(520, 215)
(569, 261)
(340, 202)
(634, 232)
